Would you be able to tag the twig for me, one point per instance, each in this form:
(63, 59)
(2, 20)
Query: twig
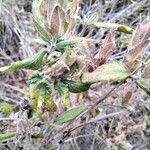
(127, 11)
(143, 146)
(79, 136)
(98, 119)
(7, 119)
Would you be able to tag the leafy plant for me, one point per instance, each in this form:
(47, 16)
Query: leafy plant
(69, 115)
(71, 73)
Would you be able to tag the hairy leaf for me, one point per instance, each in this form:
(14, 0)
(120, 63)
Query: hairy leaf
(33, 63)
(40, 94)
(60, 46)
(138, 44)
(107, 47)
(108, 72)
(69, 115)
(118, 27)
(38, 11)
(56, 22)
(42, 31)
(93, 18)
(64, 94)
(144, 84)
(76, 86)
(35, 78)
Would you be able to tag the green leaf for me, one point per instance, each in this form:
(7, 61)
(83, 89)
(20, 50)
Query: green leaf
(35, 78)
(93, 18)
(44, 86)
(7, 136)
(64, 94)
(61, 45)
(33, 63)
(108, 72)
(69, 115)
(76, 86)
(5, 107)
(118, 27)
(39, 20)
(40, 93)
(144, 84)
(36, 11)
(46, 36)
